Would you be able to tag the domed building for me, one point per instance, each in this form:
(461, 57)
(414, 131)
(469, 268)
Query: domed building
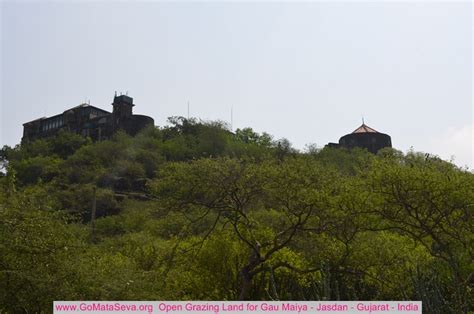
(364, 137)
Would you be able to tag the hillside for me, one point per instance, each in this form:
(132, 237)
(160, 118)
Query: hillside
(194, 211)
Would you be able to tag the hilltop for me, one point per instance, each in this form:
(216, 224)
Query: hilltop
(195, 211)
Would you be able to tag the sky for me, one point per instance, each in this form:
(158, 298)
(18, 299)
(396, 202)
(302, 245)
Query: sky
(306, 71)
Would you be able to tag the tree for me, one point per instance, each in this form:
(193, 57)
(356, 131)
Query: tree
(249, 136)
(265, 205)
(432, 202)
(37, 252)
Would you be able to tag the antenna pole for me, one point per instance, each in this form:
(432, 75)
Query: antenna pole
(231, 118)
(188, 109)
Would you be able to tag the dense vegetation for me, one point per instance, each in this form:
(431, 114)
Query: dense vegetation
(193, 211)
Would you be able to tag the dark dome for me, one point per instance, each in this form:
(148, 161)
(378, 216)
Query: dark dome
(366, 137)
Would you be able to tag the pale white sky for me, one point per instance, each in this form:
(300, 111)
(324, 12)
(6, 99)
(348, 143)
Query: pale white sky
(304, 71)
